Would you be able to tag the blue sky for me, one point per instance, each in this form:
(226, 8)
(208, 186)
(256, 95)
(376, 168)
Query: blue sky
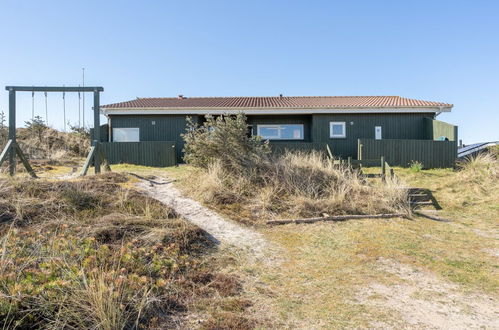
(433, 50)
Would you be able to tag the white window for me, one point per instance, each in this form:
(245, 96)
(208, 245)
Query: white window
(131, 134)
(337, 129)
(377, 132)
(281, 132)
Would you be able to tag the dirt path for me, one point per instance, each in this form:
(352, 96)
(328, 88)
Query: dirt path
(425, 301)
(221, 230)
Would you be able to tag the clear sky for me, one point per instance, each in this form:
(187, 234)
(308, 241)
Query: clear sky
(433, 50)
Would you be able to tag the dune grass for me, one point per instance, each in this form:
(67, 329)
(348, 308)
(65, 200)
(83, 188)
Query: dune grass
(91, 253)
(292, 185)
(325, 265)
(329, 263)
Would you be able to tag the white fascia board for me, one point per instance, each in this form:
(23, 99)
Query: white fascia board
(269, 111)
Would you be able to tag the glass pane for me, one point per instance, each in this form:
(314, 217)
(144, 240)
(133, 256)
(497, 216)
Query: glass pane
(126, 134)
(338, 130)
(291, 132)
(269, 132)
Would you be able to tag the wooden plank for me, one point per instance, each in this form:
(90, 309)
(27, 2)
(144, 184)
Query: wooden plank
(330, 154)
(25, 161)
(5, 152)
(431, 217)
(88, 161)
(338, 218)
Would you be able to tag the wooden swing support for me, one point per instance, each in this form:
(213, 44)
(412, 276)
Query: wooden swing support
(12, 147)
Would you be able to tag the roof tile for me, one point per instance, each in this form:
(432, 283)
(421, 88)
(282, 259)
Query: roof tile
(274, 102)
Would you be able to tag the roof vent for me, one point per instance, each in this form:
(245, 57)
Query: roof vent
(280, 96)
(181, 97)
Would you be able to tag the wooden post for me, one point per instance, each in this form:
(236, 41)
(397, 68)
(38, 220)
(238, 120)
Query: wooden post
(383, 168)
(359, 156)
(88, 161)
(5, 152)
(12, 131)
(330, 154)
(25, 162)
(96, 140)
(349, 161)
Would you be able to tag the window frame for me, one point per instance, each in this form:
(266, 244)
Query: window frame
(126, 128)
(278, 137)
(336, 136)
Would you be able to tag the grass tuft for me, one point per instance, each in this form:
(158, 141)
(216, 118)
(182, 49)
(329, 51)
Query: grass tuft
(295, 185)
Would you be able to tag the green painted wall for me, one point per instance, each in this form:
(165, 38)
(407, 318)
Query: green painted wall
(104, 133)
(436, 129)
(394, 126)
(166, 128)
(433, 154)
(316, 128)
(149, 153)
(282, 146)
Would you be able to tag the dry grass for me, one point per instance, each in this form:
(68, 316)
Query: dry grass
(295, 185)
(54, 145)
(89, 253)
(326, 265)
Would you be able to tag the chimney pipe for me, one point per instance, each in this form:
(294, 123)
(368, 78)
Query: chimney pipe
(280, 96)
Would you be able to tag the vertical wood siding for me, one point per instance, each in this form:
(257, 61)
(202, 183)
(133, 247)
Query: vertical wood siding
(436, 129)
(394, 126)
(154, 153)
(104, 133)
(166, 128)
(433, 154)
(280, 147)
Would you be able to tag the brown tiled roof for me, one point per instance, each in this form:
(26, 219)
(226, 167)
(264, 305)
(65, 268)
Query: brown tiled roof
(274, 102)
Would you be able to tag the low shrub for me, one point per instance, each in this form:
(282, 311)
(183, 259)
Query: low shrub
(298, 185)
(416, 166)
(90, 254)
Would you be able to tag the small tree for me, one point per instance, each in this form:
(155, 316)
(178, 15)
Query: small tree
(3, 128)
(84, 132)
(36, 126)
(223, 139)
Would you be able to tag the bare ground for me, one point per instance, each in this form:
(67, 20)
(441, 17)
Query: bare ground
(424, 301)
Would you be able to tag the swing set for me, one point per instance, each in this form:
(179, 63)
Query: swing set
(12, 147)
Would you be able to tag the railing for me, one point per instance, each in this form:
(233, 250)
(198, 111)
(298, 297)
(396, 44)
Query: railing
(147, 153)
(432, 154)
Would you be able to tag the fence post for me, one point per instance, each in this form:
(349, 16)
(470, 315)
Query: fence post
(359, 156)
(383, 168)
(349, 161)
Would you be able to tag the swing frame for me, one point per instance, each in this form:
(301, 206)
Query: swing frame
(12, 147)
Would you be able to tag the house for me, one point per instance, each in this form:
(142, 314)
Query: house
(347, 124)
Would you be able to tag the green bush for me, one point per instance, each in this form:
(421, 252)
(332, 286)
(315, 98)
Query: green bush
(416, 166)
(224, 139)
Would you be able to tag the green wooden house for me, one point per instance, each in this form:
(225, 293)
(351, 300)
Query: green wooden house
(361, 127)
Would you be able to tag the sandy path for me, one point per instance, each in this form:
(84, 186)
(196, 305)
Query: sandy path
(424, 301)
(221, 230)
